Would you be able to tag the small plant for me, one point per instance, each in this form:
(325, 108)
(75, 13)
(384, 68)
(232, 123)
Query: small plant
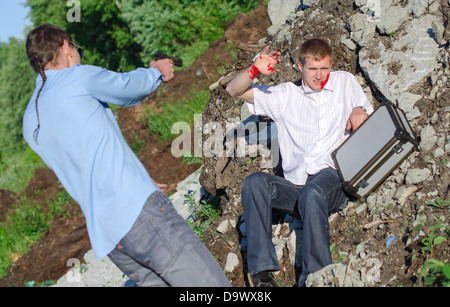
(432, 240)
(441, 203)
(436, 273)
(435, 237)
(57, 206)
(334, 251)
(205, 213)
(190, 160)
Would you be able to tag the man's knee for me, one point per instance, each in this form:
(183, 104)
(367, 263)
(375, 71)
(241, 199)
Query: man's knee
(312, 197)
(315, 197)
(312, 192)
(254, 181)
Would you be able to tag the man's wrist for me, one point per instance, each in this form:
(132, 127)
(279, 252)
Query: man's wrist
(253, 72)
(361, 107)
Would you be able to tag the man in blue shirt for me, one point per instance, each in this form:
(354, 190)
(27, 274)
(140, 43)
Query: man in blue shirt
(70, 126)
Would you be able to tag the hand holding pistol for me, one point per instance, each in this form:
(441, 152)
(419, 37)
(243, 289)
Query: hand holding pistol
(176, 61)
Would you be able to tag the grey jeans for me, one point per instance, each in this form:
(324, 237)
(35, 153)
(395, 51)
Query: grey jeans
(161, 250)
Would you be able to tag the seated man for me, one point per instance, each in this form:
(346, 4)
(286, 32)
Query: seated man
(312, 119)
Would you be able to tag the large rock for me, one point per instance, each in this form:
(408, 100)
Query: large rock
(189, 193)
(395, 66)
(428, 137)
(392, 18)
(419, 7)
(417, 175)
(334, 275)
(362, 30)
(94, 273)
(281, 11)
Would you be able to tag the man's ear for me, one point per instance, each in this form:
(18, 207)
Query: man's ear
(65, 47)
(300, 66)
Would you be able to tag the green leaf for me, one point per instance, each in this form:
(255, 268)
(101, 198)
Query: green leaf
(439, 240)
(446, 270)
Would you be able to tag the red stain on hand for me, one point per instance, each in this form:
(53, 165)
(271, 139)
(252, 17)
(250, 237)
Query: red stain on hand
(270, 68)
(253, 72)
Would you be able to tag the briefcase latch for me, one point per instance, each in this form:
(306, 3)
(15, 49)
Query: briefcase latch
(363, 183)
(397, 148)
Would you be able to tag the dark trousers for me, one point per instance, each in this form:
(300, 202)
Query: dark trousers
(313, 203)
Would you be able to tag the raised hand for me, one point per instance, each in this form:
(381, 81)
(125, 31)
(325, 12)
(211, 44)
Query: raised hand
(266, 62)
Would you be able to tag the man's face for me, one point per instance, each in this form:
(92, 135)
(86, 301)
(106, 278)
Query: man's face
(315, 73)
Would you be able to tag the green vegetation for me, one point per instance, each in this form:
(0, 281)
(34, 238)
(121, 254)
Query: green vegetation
(183, 28)
(436, 273)
(441, 203)
(25, 225)
(190, 160)
(205, 213)
(160, 122)
(17, 168)
(16, 85)
(102, 31)
(138, 144)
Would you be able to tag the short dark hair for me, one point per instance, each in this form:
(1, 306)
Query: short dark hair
(315, 48)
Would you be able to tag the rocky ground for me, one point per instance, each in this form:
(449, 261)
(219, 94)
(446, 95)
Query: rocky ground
(398, 50)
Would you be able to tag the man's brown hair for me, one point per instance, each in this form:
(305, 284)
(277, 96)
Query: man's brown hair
(316, 49)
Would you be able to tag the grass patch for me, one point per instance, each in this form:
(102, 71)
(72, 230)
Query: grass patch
(160, 122)
(25, 225)
(17, 168)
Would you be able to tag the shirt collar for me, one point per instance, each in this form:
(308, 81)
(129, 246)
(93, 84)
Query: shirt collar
(329, 86)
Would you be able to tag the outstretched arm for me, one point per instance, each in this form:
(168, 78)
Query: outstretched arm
(125, 89)
(265, 64)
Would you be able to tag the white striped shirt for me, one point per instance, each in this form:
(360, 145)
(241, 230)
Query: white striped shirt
(311, 124)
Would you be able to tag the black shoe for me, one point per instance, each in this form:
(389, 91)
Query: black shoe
(263, 279)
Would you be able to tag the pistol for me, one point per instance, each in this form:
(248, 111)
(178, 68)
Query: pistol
(176, 61)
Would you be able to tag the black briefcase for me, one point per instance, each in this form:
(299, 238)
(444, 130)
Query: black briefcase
(374, 150)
